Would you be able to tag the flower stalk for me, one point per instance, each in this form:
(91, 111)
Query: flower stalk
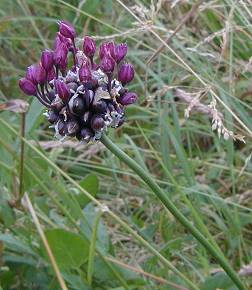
(146, 177)
(21, 169)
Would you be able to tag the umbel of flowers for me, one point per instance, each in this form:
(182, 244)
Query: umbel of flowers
(85, 99)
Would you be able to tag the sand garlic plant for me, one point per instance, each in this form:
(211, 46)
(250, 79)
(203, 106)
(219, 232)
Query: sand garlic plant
(85, 94)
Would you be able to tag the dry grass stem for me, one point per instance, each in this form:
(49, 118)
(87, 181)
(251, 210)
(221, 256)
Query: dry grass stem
(45, 242)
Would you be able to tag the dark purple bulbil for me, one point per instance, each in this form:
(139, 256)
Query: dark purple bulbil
(86, 99)
(97, 122)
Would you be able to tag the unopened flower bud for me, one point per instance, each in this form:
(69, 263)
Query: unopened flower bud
(107, 64)
(97, 123)
(67, 30)
(62, 90)
(47, 60)
(31, 73)
(81, 58)
(62, 39)
(128, 99)
(60, 54)
(51, 74)
(85, 74)
(119, 52)
(40, 74)
(106, 48)
(126, 73)
(89, 46)
(27, 87)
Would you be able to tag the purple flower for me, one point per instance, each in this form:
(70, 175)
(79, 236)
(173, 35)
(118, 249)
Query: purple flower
(107, 64)
(89, 46)
(128, 99)
(27, 87)
(40, 74)
(51, 74)
(106, 48)
(62, 90)
(61, 39)
(126, 73)
(119, 52)
(67, 30)
(60, 54)
(31, 73)
(85, 74)
(47, 60)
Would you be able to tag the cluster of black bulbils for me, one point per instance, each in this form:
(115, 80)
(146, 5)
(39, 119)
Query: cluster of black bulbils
(85, 100)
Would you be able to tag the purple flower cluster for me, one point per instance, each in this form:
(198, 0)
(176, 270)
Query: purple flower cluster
(86, 99)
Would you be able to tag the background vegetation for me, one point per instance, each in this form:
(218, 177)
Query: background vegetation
(141, 246)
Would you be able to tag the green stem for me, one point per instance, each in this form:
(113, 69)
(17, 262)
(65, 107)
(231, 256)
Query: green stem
(173, 209)
(21, 170)
(92, 247)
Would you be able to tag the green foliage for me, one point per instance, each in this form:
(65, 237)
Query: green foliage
(91, 184)
(70, 249)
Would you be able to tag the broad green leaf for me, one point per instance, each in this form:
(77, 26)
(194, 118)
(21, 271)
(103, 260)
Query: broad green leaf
(33, 116)
(218, 281)
(102, 242)
(91, 184)
(76, 282)
(69, 249)
(14, 244)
